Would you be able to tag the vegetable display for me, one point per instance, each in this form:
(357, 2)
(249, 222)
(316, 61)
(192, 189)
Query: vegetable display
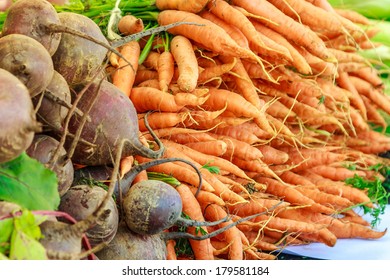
(194, 130)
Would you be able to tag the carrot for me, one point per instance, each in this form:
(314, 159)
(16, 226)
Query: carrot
(203, 159)
(145, 75)
(208, 34)
(355, 195)
(303, 10)
(338, 228)
(286, 26)
(130, 24)
(232, 236)
(147, 98)
(295, 179)
(184, 56)
(151, 60)
(272, 155)
(256, 240)
(185, 138)
(373, 114)
(219, 121)
(166, 66)
(171, 252)
(256, 205)
(329, 200)
(205, 197)
(193, 6)
(344, 81)
(298, 61)
(338, 173)
(235, 103)
(238, 133)
(183, 174)
(158, 120)
(353, 16)
(366, 89)
(125, 165)
(303, 159)
(230, 29)
(290, 194)
(213, 147)
(216, 71)
(239, 149)
(261, 43)
(124, 75)
(277, 109)
(370, 75)
(203, 250)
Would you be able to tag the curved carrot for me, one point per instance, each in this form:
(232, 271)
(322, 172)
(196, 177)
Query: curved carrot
(130, 24)
(124, 75)
(184, 56)
(193, 6)
(203, 250)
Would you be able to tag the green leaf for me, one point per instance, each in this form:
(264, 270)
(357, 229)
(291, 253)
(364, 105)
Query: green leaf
(27, 182)
(24, 240)
(211, 169)
(6, 228)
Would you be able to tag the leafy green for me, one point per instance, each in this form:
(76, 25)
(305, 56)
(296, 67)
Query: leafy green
(377, 9)
(19, 237)
(211, 169)
(164, 178)
(376, 191)
(28, 183)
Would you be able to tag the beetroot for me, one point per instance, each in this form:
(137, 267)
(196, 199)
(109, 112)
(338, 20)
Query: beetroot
(80, 201)
(17, 117)
(78, 59)
(28, 60)
(22, 19)
(113, 121)
(42, 149)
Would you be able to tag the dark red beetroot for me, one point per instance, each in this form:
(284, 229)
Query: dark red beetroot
(113, 120)
(17, 117)
(53, 106)
(128, 245)
(22, 19)
(28, 60)
(42, 149)
(77, 59)
(80, 201)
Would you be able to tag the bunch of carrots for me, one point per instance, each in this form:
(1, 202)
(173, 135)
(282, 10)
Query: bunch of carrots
(278, 101)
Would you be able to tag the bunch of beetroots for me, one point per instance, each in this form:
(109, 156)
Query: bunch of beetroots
(57, 105)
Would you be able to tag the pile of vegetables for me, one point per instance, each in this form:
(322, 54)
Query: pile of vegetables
(188, 129)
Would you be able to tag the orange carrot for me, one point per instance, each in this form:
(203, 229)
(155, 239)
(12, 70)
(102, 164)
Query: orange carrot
(238, 148)
(208, 34)
(287, 26)
(151, 60)
(165, 69)
(235, 103)
(231, 236)
(214, 147)
(147, 98)
(355, 195)
(130, 24)
(261, 43)
(216, 71)
(203, 159)
(124, 75)
(193, 6)
(336, 173)
(298, 61)
(290, 194)
(158, 120)
(183, 174)
(184, 56)
(230, 29)
(205, 197)
(171, 252)
(203, 250)
(366, 89)
(145, 75)
(272, 155)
